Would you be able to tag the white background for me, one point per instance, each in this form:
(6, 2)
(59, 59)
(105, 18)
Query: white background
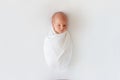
(94, 26)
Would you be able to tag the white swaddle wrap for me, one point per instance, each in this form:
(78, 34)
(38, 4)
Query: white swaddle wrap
(58, 50)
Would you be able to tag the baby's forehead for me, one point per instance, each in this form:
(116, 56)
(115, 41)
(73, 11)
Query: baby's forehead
(59, 15)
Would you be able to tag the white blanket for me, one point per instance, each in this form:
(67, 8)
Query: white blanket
(58, 50)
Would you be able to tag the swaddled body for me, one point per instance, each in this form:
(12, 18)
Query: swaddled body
(58, 50)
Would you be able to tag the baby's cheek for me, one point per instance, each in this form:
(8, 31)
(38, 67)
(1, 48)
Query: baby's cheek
(65, 28)
(57, 29)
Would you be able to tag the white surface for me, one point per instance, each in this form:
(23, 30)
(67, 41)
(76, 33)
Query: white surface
(95, 29)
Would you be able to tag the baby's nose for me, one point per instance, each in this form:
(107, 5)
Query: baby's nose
(61, 27)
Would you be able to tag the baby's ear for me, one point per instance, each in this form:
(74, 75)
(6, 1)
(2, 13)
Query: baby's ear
(53, 25)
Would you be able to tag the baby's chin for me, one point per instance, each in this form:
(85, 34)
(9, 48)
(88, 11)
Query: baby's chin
(62, 31)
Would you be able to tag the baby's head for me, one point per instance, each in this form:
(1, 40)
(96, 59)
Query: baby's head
(59, 22)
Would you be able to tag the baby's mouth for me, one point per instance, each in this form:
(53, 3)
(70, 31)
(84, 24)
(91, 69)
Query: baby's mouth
(62, 30)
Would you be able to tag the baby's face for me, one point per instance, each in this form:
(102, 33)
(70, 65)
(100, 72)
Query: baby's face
(60, 24)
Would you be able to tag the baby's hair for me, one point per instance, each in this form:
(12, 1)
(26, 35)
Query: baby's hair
(59, 12)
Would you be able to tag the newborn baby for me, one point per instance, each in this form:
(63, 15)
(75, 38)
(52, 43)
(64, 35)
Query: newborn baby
(57, 44)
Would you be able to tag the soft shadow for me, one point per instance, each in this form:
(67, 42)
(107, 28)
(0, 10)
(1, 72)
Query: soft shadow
(76, 26)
